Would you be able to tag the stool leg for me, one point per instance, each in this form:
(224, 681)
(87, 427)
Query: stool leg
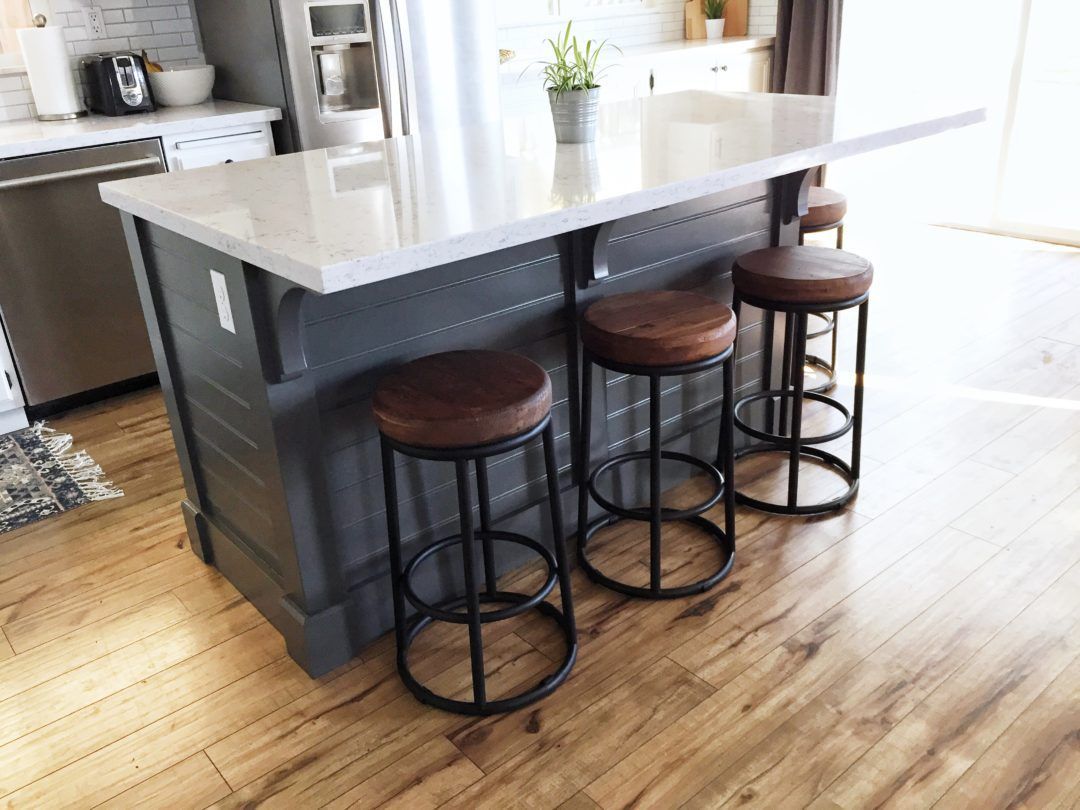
(484, 496)
(472, 596)
(586, 443)
(798, 372)
(835, 336)
(393, 531)
(655, 508)
(557, 532)
(728, 451)
(860, 371)
(840, 238)
(785, 372)
(770, 336)
(727, 437)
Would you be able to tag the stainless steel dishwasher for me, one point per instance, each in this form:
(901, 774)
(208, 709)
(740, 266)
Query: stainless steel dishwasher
(70, 305)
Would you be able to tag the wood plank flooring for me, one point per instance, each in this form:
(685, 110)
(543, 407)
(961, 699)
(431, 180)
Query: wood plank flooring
(919, 649)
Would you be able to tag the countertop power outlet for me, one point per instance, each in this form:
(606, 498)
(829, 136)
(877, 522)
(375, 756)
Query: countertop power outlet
(94, 21)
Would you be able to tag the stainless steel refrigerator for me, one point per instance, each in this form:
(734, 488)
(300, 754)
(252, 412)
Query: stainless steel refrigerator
(347, 71)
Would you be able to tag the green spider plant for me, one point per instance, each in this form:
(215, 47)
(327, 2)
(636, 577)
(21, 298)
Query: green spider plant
(714, 9)
(573, 66)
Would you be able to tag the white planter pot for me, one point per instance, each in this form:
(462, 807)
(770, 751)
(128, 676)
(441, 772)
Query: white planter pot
(574, 114)
(714, 29)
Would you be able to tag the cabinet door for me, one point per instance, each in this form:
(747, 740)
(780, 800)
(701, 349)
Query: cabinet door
(11, 397)
(685, 72)
(745, 72)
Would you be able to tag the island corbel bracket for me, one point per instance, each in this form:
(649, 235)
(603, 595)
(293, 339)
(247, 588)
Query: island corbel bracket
(594, 253)
(279, 311)
(794, 195)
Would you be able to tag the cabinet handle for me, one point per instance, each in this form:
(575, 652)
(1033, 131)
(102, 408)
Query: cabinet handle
(715, 69)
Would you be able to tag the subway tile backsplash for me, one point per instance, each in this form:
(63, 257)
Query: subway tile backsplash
(166, 29)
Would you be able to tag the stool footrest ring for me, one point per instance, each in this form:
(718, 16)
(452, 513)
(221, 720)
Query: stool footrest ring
(727, 546)
(836, 463)
(827, 371)
(548, 684)
(642, 512)
(448, 611)
(785, 441)
(829, 325)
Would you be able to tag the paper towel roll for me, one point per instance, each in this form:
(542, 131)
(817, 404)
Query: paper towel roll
(49, 70)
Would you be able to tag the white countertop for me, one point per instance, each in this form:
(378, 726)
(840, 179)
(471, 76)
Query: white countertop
(32, 137)
(334, 219)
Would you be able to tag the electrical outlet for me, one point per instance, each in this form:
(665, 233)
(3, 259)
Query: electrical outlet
(94, 21)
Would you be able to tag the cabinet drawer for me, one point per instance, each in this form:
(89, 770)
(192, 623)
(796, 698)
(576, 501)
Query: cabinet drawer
(196, 153)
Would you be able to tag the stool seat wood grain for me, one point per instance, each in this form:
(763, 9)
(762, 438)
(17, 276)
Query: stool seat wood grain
(658, 328)
(802, 275)
(827, 208)
(462, 398)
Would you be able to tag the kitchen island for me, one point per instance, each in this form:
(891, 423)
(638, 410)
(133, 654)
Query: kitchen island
(278, 291)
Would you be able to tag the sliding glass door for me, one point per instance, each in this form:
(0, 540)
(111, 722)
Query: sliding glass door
(1038, 192)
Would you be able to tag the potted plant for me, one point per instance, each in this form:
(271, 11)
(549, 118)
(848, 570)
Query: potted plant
(714, 18)
(571, 79)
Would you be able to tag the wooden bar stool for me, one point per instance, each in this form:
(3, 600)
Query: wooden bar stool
(826, 210)
(658, 334)
(468, 406)
(801, 281)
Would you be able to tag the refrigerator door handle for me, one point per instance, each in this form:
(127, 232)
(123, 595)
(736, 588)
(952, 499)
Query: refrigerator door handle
(405, 76)
(389, 70)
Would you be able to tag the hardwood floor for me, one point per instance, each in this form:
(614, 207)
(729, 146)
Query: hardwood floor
(921, 648)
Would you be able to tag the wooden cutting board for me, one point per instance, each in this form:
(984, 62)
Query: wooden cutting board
(734, 15)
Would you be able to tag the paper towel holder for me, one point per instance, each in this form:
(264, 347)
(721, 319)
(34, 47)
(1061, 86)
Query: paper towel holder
(40, 21)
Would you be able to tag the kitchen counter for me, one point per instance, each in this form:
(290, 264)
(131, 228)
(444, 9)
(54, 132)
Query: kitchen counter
(32, 137)
(330, 220)
(278, 292)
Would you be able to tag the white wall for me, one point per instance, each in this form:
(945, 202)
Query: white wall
(165, 28)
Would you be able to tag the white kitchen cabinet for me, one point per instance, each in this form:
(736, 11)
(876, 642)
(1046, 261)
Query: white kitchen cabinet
(736, 65)
(12, 415)
(216, 147)
(714, 69)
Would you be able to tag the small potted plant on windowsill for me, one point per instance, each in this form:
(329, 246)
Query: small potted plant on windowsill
(714, 18)
(571, 79)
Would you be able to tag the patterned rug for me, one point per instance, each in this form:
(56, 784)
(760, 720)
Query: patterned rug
(41, 477)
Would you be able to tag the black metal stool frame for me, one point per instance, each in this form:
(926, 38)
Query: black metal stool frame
(832, 322)
(406, 630)
(793, 375)
(655, 513)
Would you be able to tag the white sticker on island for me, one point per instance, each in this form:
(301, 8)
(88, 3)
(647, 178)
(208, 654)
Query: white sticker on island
(221, 298)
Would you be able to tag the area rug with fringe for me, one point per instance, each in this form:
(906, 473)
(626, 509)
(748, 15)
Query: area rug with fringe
(41, 477)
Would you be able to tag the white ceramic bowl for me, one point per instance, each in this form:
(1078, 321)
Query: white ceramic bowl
(182, 86)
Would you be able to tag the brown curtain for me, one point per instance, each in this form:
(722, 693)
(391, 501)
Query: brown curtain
(807, 47)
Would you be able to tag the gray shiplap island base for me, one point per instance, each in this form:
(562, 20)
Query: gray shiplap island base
(338, 265)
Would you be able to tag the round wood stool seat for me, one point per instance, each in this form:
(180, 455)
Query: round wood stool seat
(802, 275)
(462, 399)
(658, 328)
(827, 209)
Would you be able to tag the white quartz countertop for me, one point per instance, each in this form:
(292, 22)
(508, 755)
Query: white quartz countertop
(335, 219)
(21, 138)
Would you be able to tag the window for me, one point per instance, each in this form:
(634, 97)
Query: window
(14, 14)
